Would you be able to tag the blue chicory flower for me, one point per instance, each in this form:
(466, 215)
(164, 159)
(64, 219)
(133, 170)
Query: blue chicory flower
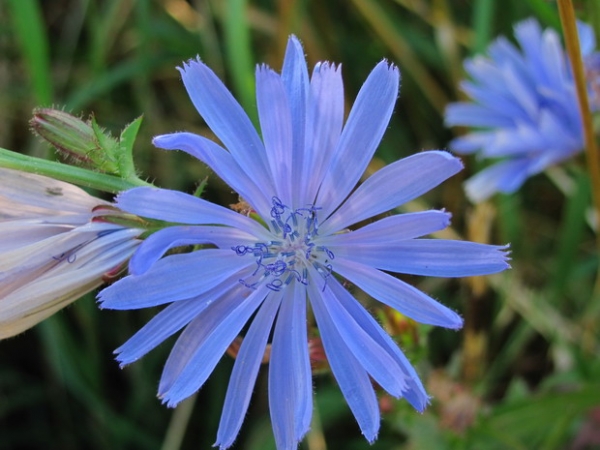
(524, 108)
(299, 179)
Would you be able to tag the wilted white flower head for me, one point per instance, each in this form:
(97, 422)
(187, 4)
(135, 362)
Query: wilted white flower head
(54, 247)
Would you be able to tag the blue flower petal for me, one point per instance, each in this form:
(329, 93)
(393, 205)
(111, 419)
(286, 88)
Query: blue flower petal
(506, 176)
(226, 118)
(397, 295)
(156, 245)
(173, 278)
(428, 257)
(348, 371)
(203, 342)
(290, 379)
(474, 115)
(390, 187)
(372, 356)
(325, 118)
(276, 125)
(587, 38)
(526, 98)
(391, 229)
(224, 165)
(415, 392)
(502, 102)
(245, 372)
(166, 323)
(175, 206)
(294, 74)
(471, 142)
(360, 138)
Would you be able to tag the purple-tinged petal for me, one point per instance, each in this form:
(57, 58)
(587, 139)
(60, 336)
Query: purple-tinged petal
(173, 278)
(471, 142)
(325, 117)
(295, 79)
(245, 371)
(25, 267)
(23, 305)
(485, 72)
(168, 322)
(390, 230)
(276, 125)
(555, 63)
(497, 101)
(224, 165)
(473, 115)
(226, 118)
(175, 206)
(203, 342)
(518, 141)
(522, 93)
(360, 138)
(428, 257)
(290, 380)
(390, 187)
(587, 38)
(348, 371)
(529, 35)
(415, 392)
(397, 294)
(157, 244)
(18, 234)
(374, 358)
(506, 176)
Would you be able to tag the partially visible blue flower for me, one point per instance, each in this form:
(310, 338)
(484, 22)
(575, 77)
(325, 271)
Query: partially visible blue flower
(54, 247)
(300, 179)
(524, 108)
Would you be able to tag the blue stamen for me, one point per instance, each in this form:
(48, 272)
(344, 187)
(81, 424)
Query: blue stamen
(281, 261)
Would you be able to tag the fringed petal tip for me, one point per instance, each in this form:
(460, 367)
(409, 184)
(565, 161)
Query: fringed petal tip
(456, 323)
(420, 408)
(501, 256)
(123, 362)
(165, 400)
(391, 67)
(191, 64)
(371, 438)
(457, 162)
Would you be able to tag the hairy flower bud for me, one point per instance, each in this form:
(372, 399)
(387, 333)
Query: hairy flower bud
(84, 142)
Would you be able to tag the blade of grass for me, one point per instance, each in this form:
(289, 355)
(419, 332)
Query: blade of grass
(571, 233)
(389, 33)
(239, 54)
(483, 17)
(178, 424)
(29, 28)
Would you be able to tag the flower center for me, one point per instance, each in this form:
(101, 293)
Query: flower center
(288, 255)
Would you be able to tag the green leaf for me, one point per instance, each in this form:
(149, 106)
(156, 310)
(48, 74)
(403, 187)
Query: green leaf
(126, 142)
(30, 29)
(529, 422)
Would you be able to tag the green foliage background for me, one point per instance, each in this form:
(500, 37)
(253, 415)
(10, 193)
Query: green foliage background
(523, 373)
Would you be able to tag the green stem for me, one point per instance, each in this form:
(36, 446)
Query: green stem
(64, 172)
(178, 424)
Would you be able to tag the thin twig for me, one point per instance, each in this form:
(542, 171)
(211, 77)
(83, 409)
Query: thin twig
(567, 18)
